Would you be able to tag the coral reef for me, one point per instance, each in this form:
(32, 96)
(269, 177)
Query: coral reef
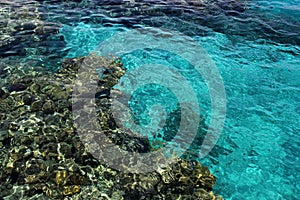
(42, 156)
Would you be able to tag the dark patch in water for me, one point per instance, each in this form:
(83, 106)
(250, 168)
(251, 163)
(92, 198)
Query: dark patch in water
(17, 87)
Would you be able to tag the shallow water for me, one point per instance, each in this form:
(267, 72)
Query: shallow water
(255, 47)
(261, 137)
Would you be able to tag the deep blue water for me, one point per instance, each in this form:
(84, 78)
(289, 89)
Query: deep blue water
(257, 53)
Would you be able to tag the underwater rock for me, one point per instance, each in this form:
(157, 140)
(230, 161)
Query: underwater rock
(25, 35)
(26, 26)
(28, 99)
(48, 107)
(3, 94)
(43, 157)
(185, 179)
(17, 87)
(46, 29)
(36, 105)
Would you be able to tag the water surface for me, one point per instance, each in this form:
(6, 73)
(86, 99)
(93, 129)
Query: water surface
(255, 46)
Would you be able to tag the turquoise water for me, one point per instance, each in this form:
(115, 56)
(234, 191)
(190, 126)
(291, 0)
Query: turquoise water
(260, 141)
(257, 155)
(257, 55)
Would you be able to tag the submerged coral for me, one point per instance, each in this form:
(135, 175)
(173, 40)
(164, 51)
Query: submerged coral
(42, 156)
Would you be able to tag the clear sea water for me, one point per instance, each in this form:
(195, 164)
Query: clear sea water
(258, 57)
